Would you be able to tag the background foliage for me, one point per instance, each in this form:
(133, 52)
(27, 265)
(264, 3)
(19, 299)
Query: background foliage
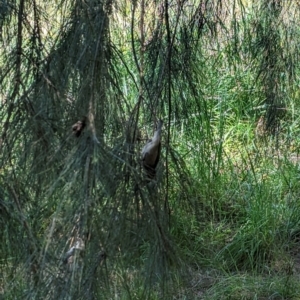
(79, 218)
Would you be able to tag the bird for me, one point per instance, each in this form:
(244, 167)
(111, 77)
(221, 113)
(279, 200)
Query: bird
(151, 152)
(78, 247)
(78, 127)
(261, 130)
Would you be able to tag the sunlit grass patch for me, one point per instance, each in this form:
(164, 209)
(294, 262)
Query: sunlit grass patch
(244, 286)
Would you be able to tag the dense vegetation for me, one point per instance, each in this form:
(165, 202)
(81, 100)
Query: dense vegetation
(80, 219)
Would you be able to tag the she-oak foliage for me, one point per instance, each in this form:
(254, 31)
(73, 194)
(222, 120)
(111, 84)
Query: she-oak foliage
(83, 84)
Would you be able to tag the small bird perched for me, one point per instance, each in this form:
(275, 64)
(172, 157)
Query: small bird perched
(69, 256)
(261, 128)
(151, 152)
(78, 127)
